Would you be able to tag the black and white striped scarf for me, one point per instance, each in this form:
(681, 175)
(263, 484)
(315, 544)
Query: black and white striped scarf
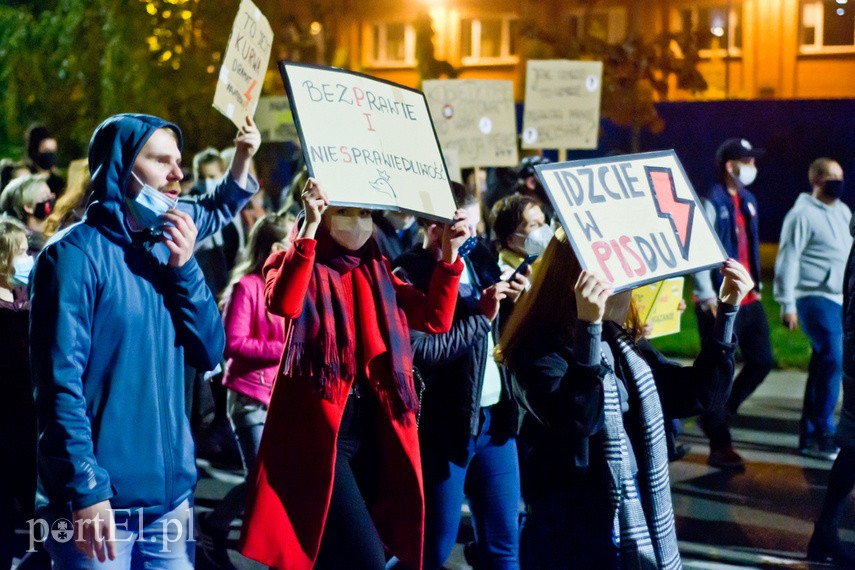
(644, 526)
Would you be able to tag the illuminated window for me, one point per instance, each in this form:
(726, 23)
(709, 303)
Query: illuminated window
(389, 44)
(606, 25)
(719, 32)
(488, 40)
(827, 26)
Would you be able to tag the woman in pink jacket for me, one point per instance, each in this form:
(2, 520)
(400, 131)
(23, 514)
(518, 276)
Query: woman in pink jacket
(254, 343)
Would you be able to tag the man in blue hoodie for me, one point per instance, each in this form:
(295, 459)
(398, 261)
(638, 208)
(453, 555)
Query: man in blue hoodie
(812, 253)
(118, 305)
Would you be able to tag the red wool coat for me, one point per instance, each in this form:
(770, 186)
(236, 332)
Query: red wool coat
(291, 485)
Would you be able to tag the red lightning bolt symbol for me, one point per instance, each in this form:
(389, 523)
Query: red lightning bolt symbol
(248, 94)
(669, 206)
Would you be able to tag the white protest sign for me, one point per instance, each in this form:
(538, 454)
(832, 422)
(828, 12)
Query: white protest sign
(244, 65)
(274, 119)
(562, 104)
(634, 219)
(370, 143)
(476, 118)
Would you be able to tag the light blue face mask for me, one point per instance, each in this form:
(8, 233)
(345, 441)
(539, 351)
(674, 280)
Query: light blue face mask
(23, 266)
(148, 207)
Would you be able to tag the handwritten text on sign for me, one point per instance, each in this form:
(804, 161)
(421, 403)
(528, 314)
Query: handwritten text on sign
(562, 104)
(476, 118)
(369, 142)
(274, 120)
(634, 219)
(658, 306)
(244, 64)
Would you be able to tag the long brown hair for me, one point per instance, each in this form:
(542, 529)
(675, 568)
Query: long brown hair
(548, 310)
(265, 232)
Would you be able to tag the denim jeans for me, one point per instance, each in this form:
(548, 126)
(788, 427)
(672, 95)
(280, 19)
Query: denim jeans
(751, 329)
(155, 542)
(822, 321)
(490, 480)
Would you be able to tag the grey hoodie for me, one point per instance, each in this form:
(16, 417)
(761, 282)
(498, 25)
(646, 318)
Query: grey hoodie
(812, 253)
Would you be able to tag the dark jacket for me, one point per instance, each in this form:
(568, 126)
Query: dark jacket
(111, 328)
(18, 420)
(564, 403)
(846, 426)
(718, 206)
(453, 363)
(392, 244)
(849, 314)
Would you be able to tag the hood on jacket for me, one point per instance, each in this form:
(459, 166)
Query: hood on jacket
(113, 150)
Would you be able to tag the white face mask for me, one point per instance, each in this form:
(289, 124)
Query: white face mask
(211, 185)
(23, 266)
(747, 174)
(537, 240)
(148, 207)
(351, 232)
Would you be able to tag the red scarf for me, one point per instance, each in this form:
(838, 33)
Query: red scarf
(323, 342)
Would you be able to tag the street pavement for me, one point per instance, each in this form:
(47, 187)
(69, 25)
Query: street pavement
(761, 518)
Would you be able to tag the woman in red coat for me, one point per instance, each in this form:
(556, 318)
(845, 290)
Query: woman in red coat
(338, 476)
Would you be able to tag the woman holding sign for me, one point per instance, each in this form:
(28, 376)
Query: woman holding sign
(338, 474)
(597, 468)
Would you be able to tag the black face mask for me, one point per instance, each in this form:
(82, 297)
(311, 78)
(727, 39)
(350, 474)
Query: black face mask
(43, 209)
(833, 188)
(46, 160)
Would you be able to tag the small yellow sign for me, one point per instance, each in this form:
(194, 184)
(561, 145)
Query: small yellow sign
(658, 305)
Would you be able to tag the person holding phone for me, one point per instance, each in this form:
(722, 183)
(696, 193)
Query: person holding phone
(520, 229)
(469, 418)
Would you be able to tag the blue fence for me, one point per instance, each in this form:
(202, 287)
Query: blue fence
(793, 132)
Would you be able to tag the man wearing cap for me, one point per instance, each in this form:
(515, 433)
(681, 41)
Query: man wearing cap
(118, 305)
(529, 185)
(812, 255)
(732, 211)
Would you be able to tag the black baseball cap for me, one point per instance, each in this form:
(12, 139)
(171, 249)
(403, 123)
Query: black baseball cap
(736, 149)
(526, 167)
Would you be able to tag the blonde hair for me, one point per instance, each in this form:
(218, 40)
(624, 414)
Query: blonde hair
(12, 232)
(76, 195)
(21, 192)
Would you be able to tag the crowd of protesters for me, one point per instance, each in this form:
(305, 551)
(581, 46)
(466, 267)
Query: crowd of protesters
(369, 371)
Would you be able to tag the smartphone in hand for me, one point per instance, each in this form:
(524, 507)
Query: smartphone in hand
(529, 259)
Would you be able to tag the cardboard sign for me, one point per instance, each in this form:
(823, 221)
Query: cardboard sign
(658, 305)
(274, 120)
(476, 118)
(244, 65)
(562, 104)
(452, 164)
(634, 219)
(370, 143)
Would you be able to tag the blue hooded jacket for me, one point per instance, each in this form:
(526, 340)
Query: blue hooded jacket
(111, 327)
